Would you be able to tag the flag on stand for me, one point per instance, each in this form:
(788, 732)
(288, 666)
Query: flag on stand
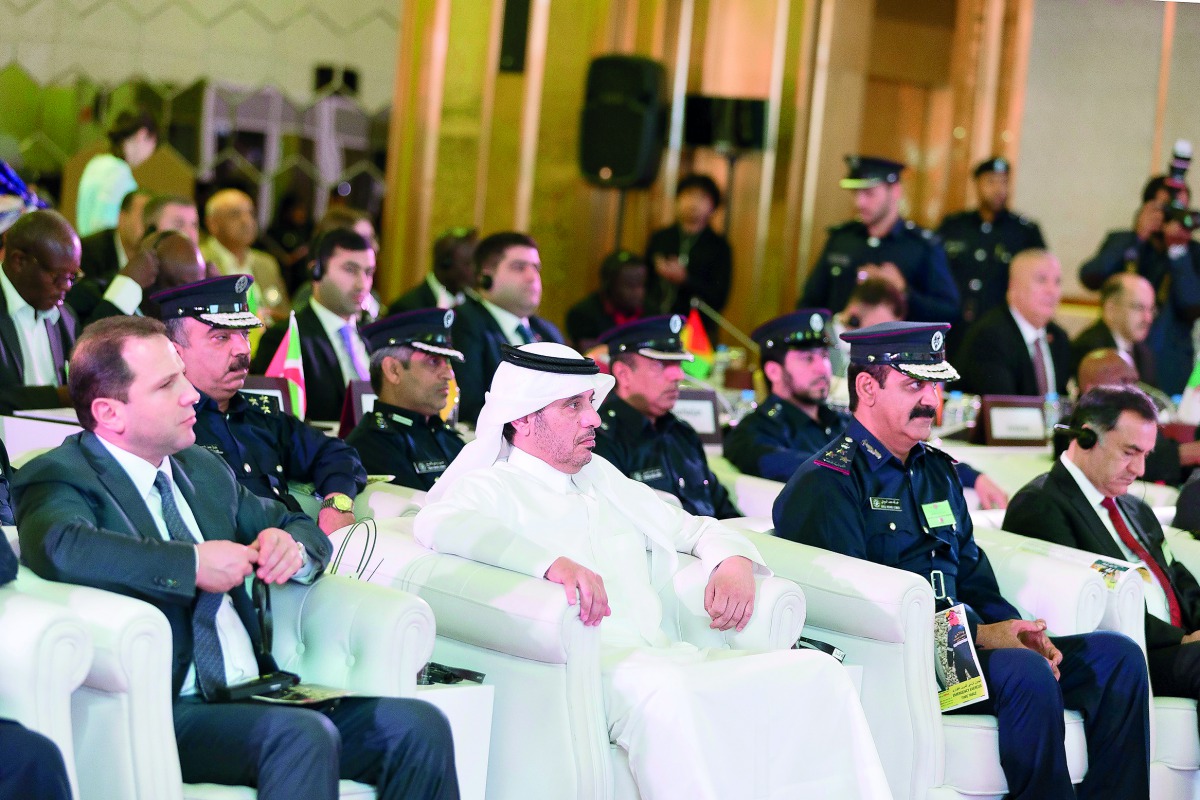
(695, 341)
(286, 363)
(1189, 407)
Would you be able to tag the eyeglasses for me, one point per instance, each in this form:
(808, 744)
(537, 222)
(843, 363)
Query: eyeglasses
(57, 277)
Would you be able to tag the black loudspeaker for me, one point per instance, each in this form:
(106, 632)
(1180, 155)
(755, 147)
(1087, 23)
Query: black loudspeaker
(727, 124)
(514, 32)
(620, 133)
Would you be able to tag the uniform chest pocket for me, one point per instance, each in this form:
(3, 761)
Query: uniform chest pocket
(886, 537)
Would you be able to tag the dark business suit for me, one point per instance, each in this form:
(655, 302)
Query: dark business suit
(324, 386)
(98, 256)
(416, 298)
(13, 394)
(995, 360)
(477, 334)
(81, 520)
(1052, 507)
(32, 765)
(1099, 337)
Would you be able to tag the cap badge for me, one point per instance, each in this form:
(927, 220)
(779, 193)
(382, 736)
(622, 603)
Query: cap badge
(936, 343)
(676, 323)
(448, 320)
(816, 323)
(242, 284)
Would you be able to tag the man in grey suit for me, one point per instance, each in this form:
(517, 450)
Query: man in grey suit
(131, 506)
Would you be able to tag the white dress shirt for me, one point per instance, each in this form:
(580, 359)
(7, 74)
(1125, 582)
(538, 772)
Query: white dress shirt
(333, 325)
(508, 322)
(31, 331)
(240, 662)
(1036, 337)
(445, 298)
(1156, 598)
(126, 294)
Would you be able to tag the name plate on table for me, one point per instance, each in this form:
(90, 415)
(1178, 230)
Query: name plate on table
(1013, 420)
(698, 408)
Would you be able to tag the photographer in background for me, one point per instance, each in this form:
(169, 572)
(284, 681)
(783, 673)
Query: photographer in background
(1178, 294)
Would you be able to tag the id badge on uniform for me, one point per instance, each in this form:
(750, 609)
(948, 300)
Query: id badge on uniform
(939, 514)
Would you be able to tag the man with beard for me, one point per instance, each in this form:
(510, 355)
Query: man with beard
(164, 260)
(881, 494)
(794, 421)
(508, 275)
(881, 244)
(208, 323)
(639, 434)
(1126, 314)
(981, 243)
(404, 436)
(331, 347)
(37, 330)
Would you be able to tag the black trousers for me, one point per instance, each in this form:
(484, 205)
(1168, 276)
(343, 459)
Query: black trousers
(403, 747)
(31, 767)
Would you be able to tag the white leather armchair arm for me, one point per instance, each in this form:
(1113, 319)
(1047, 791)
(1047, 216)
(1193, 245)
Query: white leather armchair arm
(1070, 596)
(775, 625)
(45, 653)
(755, 496)
(124, 732)
(360, 636)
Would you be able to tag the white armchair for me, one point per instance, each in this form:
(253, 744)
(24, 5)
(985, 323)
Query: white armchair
(550, 737)
(883, 619)
(45, 653)
(339, 632)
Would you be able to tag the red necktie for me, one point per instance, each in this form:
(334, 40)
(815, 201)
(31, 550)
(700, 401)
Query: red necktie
(1138, 550)
(1039, 368)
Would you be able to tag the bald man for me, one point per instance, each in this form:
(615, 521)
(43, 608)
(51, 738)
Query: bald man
(1016, 349)
(37, 331)
(232, 228)
(164, 260)
(1170, 461)
(1127, 310)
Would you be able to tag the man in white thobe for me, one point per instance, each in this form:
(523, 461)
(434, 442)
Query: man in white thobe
(528, 495)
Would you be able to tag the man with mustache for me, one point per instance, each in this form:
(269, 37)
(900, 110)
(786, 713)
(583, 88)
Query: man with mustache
(639, 434)
(332, 349)
(37, 330)
(404, 436)
(880, 493)
(529, 495)
(794, 421)
(1084, 502)
(208, 323)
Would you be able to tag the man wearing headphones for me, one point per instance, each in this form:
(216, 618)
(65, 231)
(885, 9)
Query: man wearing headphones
(1083, 502)
(333, 351)
(508, 273)
(453, 271)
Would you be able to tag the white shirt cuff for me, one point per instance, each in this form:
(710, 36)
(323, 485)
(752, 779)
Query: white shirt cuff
(124, 293)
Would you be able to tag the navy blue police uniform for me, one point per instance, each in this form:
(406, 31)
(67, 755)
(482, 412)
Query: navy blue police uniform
(915, 251)
(412, 447)
(980, 250)
(856, 498)
(266, 448)
(665, 453)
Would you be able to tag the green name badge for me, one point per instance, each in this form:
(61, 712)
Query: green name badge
(938, 515)
(885, 503)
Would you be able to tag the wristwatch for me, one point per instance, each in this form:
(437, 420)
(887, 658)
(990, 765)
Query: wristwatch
(339, 501)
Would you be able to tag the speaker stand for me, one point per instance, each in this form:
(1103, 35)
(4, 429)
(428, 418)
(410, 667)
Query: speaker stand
(620, 217)
(731, 159)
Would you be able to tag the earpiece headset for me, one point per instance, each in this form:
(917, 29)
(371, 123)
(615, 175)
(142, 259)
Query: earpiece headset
(1086, 438)
(485, 282)
(318, 266)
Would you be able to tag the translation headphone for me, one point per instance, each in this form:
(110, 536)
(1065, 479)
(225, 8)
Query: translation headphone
(485, 282)
(1086, 438)
(318, 265)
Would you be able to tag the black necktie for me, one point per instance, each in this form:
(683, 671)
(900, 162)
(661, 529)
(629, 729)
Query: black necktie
(206, 645)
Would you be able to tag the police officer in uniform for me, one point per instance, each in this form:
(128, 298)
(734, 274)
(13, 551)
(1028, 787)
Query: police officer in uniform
(639, 434)
(981, 243)
(404, 435)
(880, 243)
(882, 494)
(208, 323)
(794, 421)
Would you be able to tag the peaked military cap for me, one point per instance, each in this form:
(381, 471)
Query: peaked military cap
(653, 337)
(427, 329)
(994, 164)
(863, 172)
(917, 349)
(219, 302)
(805, 328)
